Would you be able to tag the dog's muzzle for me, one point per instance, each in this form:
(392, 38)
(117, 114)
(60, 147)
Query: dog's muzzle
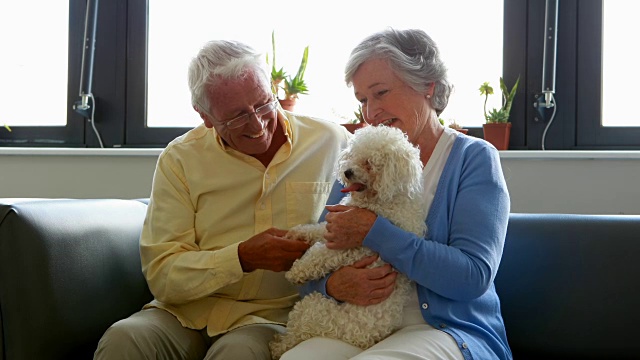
(348, 174)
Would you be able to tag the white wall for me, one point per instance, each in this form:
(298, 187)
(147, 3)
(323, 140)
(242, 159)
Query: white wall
(585, 183)
(77, 173)
(557, 182)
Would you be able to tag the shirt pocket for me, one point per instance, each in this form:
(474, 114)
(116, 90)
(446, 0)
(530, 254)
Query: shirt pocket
(305, 201)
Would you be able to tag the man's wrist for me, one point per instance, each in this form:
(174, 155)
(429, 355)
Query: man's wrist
(246, 267)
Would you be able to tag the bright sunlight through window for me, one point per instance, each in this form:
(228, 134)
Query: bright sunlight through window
(33, 65)
(470, 42)
(620, 60)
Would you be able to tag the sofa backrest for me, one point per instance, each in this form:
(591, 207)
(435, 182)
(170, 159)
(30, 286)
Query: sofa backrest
(68, 270)
(71, 268)
(568, 286)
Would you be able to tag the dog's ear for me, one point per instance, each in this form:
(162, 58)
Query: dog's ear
(398, 170)
(338, 171)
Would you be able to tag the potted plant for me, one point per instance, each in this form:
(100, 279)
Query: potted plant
(454, 125)
(291, 86)
(497, 128)
(356, 123)
(277, 76)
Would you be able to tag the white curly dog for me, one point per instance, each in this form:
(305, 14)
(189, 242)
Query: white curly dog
(381, 170)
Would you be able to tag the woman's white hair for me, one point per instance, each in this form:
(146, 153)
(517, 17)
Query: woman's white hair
(413, 56)
(221, 59)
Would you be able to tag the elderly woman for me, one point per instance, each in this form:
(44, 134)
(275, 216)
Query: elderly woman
(400, 80)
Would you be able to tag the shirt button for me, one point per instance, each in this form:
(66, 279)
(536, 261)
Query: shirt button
(442, 326)
(425, 306)
(464, 345)
(262, 206)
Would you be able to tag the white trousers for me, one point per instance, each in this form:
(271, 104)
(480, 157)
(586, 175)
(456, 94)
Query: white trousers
(415, 340)
(411, 342)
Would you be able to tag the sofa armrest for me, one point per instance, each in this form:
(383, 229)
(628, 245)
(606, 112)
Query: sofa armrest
(68, 270)
(567, 286)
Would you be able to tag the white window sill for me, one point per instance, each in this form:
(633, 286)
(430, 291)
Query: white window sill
(570, 155)
(79, 152)
(154, 152)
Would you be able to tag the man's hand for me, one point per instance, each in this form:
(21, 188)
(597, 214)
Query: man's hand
(269, 250)
(358, 285)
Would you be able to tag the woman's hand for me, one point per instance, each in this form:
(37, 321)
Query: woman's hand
(358, 285)
(347, 226)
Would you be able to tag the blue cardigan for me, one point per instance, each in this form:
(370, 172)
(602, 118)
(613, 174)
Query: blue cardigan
(454, 267)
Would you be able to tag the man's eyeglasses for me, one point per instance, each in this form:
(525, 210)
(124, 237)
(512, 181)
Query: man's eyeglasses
(259, 113)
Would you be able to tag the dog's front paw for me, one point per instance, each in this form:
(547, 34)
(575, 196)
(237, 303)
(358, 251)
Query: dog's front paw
(309, 233)
(308, 267)
(277, 347)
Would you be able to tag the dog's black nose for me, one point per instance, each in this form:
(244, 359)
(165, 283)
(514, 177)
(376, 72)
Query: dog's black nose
(348, 173)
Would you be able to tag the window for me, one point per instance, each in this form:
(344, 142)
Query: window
(36, 71)
(176, 33)
(606, 76)
(143, 49)
(619, 65)
(30, 80)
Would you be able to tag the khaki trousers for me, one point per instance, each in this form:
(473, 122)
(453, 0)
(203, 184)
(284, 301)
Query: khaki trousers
(156, 334)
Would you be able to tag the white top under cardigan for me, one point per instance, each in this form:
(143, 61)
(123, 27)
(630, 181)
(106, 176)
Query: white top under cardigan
(430, 175)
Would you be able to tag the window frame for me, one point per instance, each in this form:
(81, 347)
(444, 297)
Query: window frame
(120, 81)
(72, 134)
(590, 132)
(138, 134)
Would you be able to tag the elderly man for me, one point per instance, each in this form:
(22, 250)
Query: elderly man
(212, 246)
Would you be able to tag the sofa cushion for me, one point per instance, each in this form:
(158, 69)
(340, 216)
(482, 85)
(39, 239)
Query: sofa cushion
(68, 270)
(567, 284)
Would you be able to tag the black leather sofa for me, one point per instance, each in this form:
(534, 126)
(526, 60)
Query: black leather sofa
(70, 268)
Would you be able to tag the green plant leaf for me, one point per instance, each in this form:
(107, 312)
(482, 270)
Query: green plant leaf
(273, 50)
(497, 116)
(486, 90)
(358, 114)
(278, 75)
(296, 86)
(508, 96)
(292, 86)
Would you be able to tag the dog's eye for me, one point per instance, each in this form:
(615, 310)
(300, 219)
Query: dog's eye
(367, 165)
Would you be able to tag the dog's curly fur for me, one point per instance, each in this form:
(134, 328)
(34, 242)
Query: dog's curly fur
(383, 170)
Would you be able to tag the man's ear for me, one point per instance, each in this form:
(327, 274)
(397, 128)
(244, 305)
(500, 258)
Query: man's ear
(205, 118)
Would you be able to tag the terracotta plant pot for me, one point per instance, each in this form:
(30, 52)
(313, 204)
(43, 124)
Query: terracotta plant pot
(287, 104)
(464, 131)
(353, 127)
(498, 134)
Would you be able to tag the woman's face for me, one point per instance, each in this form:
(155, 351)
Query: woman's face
(236, 97)
(388, 100)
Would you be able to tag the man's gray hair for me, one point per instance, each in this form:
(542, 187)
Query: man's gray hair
(221, 59)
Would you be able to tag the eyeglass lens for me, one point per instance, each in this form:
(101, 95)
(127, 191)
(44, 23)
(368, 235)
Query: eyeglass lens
(259, 113)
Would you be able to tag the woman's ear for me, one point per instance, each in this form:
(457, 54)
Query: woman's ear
(430, 90)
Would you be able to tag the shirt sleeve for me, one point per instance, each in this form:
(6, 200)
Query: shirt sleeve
(460, 256)
(176, 269)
